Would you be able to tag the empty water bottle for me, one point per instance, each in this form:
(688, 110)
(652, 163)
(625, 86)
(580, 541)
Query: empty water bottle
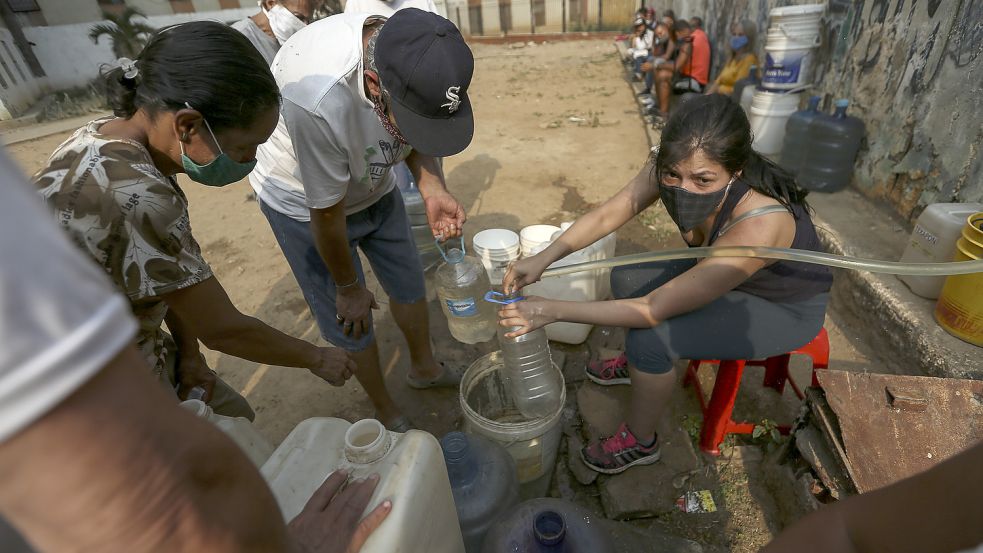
(484, 483)
(533, 380)
(461, 283)
(797, 136)
(832, 150)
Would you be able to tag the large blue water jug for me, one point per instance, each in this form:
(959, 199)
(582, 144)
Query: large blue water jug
(797, 136)
(484, 483)
(549, 525)
(832, 150)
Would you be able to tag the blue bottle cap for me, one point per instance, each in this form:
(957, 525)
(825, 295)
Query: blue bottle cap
(842, 103)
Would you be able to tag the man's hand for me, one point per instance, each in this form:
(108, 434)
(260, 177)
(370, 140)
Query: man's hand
(354, 306)
(335, 366)
(330, 522)
(193, 371)
(445, 214)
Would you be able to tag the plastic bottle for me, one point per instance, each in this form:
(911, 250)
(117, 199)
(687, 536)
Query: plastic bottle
(797, 136)
(549, 525)
(835, 141)
(461, 283)
(483, 481)
(242, 432)
(534, 385)
(411, 474)
(934, 239)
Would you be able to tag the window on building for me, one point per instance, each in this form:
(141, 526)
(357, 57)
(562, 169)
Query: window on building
(23, 5)
(539, 12)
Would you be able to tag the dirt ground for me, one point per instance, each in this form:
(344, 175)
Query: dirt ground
(557, 131)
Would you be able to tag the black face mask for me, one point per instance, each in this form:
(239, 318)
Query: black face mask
(689, 209)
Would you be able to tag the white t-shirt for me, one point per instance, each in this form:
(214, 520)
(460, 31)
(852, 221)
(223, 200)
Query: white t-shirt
(267, 45)
(329, 144)
(60, 319)
(384, 8)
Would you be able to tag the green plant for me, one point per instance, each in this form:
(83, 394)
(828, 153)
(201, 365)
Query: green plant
(127, 35)
(768, 429)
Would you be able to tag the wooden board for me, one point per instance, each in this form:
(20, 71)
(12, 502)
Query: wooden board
(895, 426)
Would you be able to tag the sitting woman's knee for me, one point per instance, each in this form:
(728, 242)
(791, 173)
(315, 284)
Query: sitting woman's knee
(647, 351)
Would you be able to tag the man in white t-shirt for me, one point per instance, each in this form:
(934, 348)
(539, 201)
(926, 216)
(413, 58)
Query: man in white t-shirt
(96, 456)
(361, 94)
(276, 21)
(387, 8)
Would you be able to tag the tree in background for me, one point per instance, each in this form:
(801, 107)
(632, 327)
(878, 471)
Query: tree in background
(128, 35)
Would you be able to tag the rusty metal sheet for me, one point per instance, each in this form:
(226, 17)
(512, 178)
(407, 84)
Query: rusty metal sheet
(894, 426)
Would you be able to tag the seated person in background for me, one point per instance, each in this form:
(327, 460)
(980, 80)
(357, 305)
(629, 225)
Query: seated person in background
(696, 22)
(669, 18)
(641, 46)
(663, 50)
(741, 58)
(690, 72)
(276, 21)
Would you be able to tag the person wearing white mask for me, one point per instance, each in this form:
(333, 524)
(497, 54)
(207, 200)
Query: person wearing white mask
(275, 23)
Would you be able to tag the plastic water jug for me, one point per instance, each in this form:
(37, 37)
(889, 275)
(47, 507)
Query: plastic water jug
(548, 525)
(411, 470)
(933, 241)
(416, 212)
(750, 81)
(242, 432)
(483, 481)
(461, 283)
(581, 286)
(797, 136)
(832, 150)
(535, 386)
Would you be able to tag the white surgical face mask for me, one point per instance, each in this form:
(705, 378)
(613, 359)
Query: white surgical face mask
(283, 23)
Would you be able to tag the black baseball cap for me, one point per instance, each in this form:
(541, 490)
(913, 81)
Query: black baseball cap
(426, 67)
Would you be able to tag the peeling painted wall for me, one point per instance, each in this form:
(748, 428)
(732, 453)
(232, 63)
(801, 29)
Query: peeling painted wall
(913, 72)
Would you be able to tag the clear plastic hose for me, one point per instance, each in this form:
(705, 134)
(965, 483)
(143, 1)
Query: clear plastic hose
(804, 256)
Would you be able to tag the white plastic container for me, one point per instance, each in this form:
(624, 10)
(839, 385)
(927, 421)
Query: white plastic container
(496, 248)
(934, 241)
(242, 432)
(534, 238)
(490, 411)
(769, 114)
(411, 470)
(581, 286)
(793, 35)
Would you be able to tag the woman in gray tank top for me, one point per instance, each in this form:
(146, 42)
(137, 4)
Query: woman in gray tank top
(718, 191)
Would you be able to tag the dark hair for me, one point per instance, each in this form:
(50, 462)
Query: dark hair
(670, 14)
(209, 65)
(697, 20)
(717, 126)
(682, 25)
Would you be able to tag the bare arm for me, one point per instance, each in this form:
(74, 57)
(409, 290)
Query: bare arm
(683, 59)
(936, 510)
(192, 370)
(445, 214)
(208, 313)
(631, 200)
(144, 475)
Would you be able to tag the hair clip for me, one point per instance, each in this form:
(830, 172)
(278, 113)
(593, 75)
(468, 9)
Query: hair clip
(129, 68)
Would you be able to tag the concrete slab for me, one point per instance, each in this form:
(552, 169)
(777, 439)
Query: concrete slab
(895, 321)
(641, 491)
(40, 130)
(629, 538)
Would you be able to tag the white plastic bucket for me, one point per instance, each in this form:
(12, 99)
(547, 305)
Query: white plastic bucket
(496, 248)
(769, 114)
(581, 286)
(536, 235)
(792, 37)
(490, 411)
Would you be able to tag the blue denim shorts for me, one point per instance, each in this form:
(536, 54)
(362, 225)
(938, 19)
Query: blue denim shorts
(382, 232)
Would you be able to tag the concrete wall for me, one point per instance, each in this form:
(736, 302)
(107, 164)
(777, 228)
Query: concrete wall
(913, 72)
(18, 87)
(67, 12)
(70, 58)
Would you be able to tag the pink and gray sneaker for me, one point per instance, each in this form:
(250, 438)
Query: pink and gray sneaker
(619, 452)
(609, 372)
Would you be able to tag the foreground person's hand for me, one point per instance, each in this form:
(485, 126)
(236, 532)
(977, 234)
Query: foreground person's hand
(330, 521)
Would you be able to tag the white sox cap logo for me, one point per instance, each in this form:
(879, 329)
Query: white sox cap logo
(455, 100)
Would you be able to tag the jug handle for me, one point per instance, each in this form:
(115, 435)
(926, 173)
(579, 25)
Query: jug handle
(492, 297)
(443, 254)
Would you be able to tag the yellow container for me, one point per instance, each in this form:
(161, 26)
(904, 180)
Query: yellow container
(960, 307)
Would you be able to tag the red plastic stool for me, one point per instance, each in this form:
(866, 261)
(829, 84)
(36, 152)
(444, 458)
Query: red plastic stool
(717, 422)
